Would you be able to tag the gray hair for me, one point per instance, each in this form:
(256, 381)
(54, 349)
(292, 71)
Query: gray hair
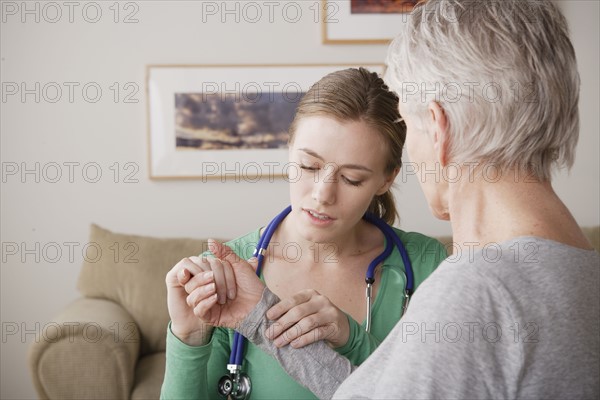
(505, 74)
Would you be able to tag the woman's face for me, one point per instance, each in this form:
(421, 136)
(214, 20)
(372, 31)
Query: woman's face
(340, 168)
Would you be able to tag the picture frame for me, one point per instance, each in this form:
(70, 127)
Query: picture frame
(207, 121)
(375, 26)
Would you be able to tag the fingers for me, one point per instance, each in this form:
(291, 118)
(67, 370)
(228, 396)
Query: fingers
(223, 251)
(295, 315)
(201, 279)
(182, 272)
(229, 280)
(305, 318)
(221, 273)
(200, 294)
(183, 276)
(224, 279)
(283, 334)
(309, 329)
(287, 304)
(319, 333)
(204, 306)
(253, 263)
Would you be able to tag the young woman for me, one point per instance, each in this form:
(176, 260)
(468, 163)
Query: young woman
(346, 140)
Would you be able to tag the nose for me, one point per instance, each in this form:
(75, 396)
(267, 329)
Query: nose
(325, 186)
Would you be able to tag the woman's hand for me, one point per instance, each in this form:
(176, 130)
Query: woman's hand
(305, 318)
(184, 324)
(228, 296)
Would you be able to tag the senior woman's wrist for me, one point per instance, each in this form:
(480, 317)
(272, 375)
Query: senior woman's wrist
(251, 325)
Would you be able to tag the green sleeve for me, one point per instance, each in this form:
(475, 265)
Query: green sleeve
(360, 343)
(192, 371)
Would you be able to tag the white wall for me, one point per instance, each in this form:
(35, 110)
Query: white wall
(107, 132)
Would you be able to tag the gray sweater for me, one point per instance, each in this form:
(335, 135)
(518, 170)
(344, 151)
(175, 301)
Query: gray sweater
(515, 320)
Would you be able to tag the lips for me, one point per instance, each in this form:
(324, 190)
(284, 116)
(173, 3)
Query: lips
(317, 217)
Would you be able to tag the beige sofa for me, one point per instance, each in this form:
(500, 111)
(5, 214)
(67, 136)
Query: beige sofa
(110, 343)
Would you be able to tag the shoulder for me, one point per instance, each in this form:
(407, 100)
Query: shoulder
(244, 245)
(417, 239)
(511, 259)
(461, 292)
(249, 239)
(424, 253)
(422, 248)
(473, 276)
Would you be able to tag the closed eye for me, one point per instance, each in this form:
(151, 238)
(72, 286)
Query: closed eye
(351, 182)
(306, 167)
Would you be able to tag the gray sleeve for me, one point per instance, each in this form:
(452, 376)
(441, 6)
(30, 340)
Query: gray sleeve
(447, 346)
(317, 367)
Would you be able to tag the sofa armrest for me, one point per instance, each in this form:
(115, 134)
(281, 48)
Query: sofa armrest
(88, 352)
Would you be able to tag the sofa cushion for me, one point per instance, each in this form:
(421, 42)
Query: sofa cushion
(130, 270)
(149, 375)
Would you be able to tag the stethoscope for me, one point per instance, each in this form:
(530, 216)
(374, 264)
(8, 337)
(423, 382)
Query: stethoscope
(237, 385)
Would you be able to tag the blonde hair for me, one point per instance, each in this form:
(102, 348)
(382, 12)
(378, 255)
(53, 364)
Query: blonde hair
(359, 95)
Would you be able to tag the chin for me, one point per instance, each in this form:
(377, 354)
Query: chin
(316, 236)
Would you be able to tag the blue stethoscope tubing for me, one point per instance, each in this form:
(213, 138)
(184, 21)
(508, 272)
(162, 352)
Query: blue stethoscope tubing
(392, 240)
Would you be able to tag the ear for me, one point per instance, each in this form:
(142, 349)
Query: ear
(389, 181)
(439, 130)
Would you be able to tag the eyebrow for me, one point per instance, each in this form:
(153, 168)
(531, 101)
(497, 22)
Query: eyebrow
(351, 166)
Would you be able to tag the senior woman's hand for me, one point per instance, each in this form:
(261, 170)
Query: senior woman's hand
(214, 298)
(307, 317)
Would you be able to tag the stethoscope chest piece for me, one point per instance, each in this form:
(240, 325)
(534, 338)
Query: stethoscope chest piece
(236, 385)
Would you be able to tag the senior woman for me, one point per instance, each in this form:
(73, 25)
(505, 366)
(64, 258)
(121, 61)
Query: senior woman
(489, 91)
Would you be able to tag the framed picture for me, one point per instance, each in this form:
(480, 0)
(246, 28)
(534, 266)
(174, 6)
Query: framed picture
(363, 21)
(225, 121)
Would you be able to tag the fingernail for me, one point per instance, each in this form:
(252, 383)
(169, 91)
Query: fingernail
(222, 300)
(253, 261)
(211, 288)
(208, 275)
(231, 294)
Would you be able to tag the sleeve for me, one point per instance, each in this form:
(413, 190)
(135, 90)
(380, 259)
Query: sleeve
(317, 367)
(360, 343)
(448, 345)
(191, 372)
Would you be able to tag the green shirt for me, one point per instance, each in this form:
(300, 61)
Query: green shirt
(193, 372)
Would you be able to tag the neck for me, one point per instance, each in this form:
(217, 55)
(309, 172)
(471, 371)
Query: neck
(362, 238)
(485, 212)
